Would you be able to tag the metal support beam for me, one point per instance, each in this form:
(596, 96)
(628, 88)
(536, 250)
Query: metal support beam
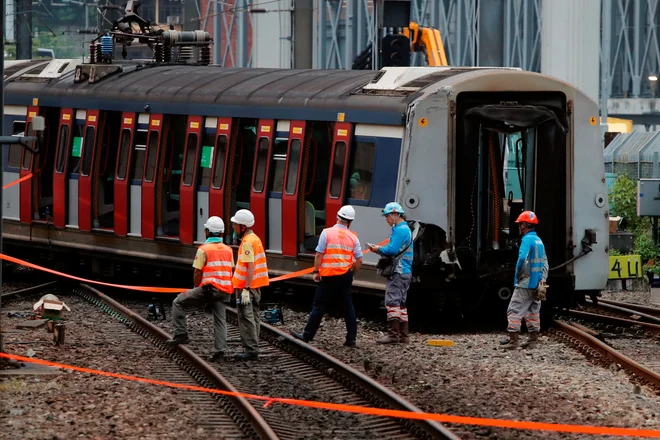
(23, 29)
(303, 34)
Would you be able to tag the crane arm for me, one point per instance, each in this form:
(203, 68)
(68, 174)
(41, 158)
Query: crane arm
(428, 41)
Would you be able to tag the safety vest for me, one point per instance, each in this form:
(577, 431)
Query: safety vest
(338, 256)
(260, 276)
(217, 270)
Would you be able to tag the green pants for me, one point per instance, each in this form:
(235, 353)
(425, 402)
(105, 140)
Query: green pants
(248, 319)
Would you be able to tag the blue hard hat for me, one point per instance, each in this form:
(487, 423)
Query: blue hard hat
(393, 207)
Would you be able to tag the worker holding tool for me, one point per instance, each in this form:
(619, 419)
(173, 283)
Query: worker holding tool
(213, 285)
(338, 258)
(529, 281)
(250, 276)
(397, 268)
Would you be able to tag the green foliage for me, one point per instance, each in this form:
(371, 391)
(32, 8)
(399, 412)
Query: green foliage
(614, 252)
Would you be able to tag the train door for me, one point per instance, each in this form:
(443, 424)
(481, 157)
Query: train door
(103, 171)
(85, 177)
(122, 185)
(337, 183)
(60, 177)
(136, 170)
(203, 183)
(148, 201)
(275, 186)
(259, 196)
(15, 118)
(189, 182)
(169, 178)
(224, 154)
(73, 169)
(305, 184)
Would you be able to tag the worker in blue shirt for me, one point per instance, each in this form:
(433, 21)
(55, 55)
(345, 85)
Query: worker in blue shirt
(396, 288)
(531, 274)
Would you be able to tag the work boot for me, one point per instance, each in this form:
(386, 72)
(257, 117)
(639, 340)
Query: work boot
(178, 340)
(247, 356)
(299, 336)
(512, 342)
(218, 355)
(403, 335)
(393, 335)
(532, 341)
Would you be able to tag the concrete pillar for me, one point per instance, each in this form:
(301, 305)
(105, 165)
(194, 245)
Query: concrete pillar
(272, 33)
(570, 43)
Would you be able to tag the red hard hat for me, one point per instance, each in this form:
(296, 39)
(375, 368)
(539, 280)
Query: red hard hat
(528, 217)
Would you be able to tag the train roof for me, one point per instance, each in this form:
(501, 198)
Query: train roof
(363, 96)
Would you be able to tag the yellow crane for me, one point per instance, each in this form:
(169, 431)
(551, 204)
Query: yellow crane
(428, 41)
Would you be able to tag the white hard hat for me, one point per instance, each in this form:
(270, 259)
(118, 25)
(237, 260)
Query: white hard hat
(243, 217)
(215, 224)
(347, 213)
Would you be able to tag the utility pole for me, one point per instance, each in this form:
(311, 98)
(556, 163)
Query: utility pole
(23, 29)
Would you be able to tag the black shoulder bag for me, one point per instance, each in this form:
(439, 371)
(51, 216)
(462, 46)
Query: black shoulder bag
(385, 265)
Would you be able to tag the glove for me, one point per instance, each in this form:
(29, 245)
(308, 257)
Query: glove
(245, 297)
(541, 291)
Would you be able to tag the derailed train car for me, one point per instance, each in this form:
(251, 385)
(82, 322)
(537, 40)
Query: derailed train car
(136, 156)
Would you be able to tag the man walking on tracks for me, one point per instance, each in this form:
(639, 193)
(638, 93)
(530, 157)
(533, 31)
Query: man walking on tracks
(338, 258)
(250, 276)
(400, 250)
(529, 280)
(212, 278)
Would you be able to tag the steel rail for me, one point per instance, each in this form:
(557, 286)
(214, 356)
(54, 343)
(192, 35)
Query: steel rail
(29, 290)
(370, 389)
(654, 311)
(610, 353)
(262, 428)
(653, 328)
(630, 311)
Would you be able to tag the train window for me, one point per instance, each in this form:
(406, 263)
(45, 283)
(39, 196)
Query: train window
(337, 170)
(260, 167)
(76, 149)
(205, 159)
(219, 163)
(151, 156)
(88, 151)
(363, 157)
(61, 148)
(292, 172)
(27, 155)
(140, 146)
(278, 165)
(14, 160)
(191, 149)
(124, 150)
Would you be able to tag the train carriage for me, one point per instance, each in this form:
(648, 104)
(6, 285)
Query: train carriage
(136, 157)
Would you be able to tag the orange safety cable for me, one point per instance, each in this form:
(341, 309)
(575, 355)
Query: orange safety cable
(17, 181)
(444, 418)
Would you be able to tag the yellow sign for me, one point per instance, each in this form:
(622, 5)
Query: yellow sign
(224, 126)
(297, 130)
(342, 132)
(92, 119)
(265, 128)
(340, 117)
(155, 122)
(194, 125)
(625, 266)
(423, 122)
(128, 121)
(65, 116)
(32, 114)
(35, 101)
(593, 120)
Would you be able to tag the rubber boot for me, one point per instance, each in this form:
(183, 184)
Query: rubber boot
(403, 335)
(393, 335)
(532, 340)
(512, 343)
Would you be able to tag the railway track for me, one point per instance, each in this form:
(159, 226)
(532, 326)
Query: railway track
(588, 342)
(289, 368)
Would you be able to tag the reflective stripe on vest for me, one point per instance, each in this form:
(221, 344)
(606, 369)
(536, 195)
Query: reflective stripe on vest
(260, 276)
(217, 270)
(338, 256)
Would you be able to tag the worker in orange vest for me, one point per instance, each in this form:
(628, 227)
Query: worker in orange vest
(250, 276)
(338, 258)
(213, 284)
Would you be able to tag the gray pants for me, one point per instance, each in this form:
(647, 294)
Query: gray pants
(194, 299)
(524, 305)
(396, 292)
(248, 320)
